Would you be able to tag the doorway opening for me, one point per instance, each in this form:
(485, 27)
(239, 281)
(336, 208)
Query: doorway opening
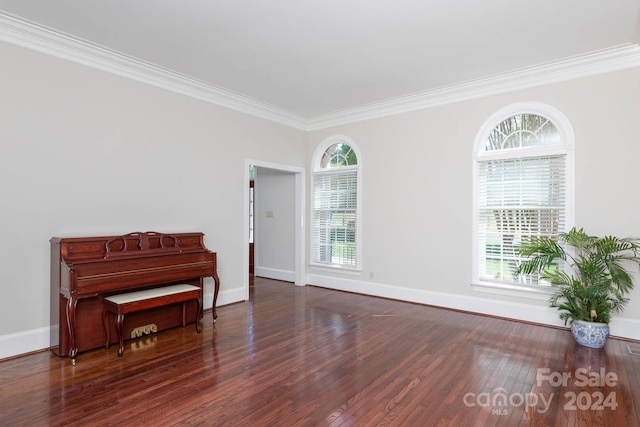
(254, 214)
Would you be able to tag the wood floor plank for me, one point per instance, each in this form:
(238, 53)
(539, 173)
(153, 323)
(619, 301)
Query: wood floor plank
(307, 356)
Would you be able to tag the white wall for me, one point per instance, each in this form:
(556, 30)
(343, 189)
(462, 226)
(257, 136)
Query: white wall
(417, 193)
(84, 152)
(274, 224)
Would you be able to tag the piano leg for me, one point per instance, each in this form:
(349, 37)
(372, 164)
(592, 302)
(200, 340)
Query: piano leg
(71, 321)
(119, 328)
(216, 280)
(198, 313)
(107, 329)
(184, 313)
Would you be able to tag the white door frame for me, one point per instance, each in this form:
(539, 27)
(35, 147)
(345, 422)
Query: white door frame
(299, 232)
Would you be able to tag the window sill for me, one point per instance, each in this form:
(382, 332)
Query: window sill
(522, 291)
(340, 268)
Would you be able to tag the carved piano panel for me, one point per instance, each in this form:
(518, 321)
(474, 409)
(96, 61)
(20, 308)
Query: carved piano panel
(85, 269)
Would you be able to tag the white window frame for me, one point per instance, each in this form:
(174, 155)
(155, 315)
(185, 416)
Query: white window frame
(316, 169)
(479, 154)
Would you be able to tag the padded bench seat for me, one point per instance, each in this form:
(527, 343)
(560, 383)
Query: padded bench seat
(131, 302)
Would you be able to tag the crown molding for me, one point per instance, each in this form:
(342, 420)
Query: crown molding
(25, 34)
(608, 60)
(22, 33)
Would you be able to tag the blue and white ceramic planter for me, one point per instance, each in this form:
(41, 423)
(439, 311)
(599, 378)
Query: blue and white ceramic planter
(590, 334)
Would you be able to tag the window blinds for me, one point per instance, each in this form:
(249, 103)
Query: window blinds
(518, 198)
(335, 220)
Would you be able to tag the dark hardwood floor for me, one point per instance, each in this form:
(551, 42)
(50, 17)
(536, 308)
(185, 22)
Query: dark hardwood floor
(307, 356)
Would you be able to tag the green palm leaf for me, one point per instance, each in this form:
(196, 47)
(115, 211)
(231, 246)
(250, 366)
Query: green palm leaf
(591, 273)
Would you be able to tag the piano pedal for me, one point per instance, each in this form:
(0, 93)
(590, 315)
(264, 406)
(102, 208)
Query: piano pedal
(144, 330)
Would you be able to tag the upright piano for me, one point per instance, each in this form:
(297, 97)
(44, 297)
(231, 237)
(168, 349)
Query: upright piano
(85, 269)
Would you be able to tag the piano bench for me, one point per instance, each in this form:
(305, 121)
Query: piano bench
(131, 302)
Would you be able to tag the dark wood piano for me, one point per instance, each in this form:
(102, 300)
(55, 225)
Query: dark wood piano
(85, 269)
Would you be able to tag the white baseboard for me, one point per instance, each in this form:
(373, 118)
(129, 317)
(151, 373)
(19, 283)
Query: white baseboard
(620, 327)
(24, 342)
(275, 273)
(225, 297)
(625, 328)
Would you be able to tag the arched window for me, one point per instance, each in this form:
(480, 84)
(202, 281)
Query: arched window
(336, 201)
(524, 186)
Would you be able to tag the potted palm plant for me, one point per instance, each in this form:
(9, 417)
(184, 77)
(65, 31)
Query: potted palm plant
(591, 275)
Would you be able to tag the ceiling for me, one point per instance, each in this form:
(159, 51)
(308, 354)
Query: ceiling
(313, 58)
